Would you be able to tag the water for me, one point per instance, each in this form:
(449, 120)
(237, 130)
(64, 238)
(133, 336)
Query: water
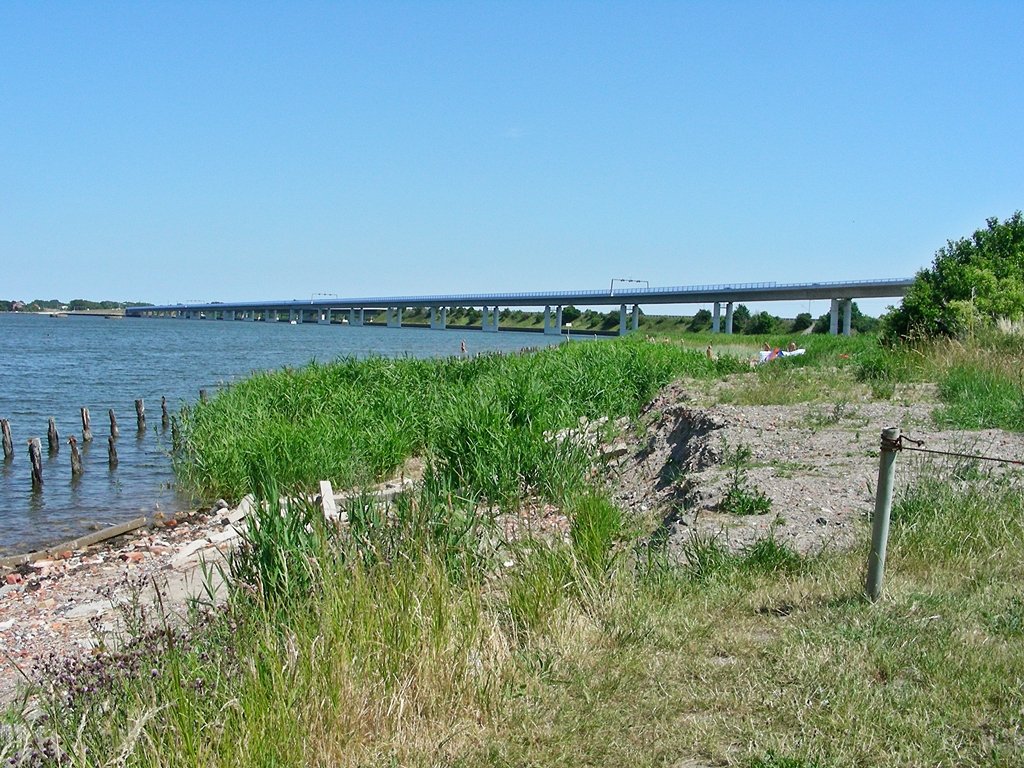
(50, 367)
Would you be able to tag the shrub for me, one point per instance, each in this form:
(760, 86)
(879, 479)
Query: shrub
(971, 280)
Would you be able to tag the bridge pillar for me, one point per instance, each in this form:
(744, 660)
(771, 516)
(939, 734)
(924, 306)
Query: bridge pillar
(833, 324)
(552, 321)
(728, 318)
(847, 316)
(716, 317)
(291, 315)
(229, 314)
(489, 320)
(394, 316)
(323, 316)
(622, 319)
(635, 324)
(250, 315)
(439, 318)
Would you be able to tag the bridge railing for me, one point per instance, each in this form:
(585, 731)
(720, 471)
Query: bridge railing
(604, 293)
(542, 296)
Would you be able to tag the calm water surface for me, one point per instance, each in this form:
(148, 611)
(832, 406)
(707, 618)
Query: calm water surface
(53, 366)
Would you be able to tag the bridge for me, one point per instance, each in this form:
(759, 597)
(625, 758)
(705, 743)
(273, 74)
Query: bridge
(353, 311)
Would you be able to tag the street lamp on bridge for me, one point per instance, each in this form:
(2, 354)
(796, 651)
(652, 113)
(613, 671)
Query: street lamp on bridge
(611, 288)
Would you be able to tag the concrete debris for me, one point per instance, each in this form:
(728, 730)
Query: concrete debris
(328, 503)
(55, 601)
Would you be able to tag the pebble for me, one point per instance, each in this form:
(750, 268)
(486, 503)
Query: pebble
(48, 605)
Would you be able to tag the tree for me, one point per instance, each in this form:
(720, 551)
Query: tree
(802, 322)
(740, 318)
(700, 321)
(761, 323)
(570, 314)
(972, 280)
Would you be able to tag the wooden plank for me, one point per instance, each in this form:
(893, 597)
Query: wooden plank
(73, 545)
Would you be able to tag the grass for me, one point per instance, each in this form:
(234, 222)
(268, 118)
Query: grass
(484, 424)
(408, 646)
(740, 498)
(417, 635)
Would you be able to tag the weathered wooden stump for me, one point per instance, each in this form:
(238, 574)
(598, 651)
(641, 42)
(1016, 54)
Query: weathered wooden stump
(5, 427)
(203, 397)
(36, 459)
(86, 426)
(52, 438)
(165, 418)
(111, 452)
(140, 414)
(76, 457)
(114, 431)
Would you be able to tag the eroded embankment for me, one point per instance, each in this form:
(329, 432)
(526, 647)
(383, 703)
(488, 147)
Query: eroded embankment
(816, 464)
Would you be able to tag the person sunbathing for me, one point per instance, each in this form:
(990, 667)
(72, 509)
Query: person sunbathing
(792, 351)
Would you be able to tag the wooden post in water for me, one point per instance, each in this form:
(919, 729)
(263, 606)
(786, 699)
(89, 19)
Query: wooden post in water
(114, 431)
(140, 414)
(165, 418)
(76, 457)
(86, 427)
(52, 438)
(36, 459)
(202, 396)
(111, 452)
(5, 427)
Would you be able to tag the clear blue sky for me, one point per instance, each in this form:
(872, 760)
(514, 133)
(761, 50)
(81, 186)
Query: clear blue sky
(171, 151)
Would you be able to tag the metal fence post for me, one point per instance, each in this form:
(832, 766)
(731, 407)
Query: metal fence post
(883, 506)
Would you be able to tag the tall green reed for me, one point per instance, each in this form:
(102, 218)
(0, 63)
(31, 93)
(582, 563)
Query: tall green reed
(485, 423)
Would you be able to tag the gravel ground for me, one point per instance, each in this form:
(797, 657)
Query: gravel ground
(61, 607)
(817, 464)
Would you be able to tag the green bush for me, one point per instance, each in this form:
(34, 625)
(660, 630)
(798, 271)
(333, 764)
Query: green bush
(971, 280)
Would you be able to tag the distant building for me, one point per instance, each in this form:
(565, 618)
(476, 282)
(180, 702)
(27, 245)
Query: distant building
(17, 306)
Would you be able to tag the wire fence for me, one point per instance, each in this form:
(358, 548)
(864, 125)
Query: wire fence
(900, 444)
(894, 442)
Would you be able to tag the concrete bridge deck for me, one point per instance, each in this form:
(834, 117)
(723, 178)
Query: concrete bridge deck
(323, 309)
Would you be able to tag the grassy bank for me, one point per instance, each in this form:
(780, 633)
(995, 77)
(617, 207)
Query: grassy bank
(481, 422)
(416, 639)
(419, 635)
